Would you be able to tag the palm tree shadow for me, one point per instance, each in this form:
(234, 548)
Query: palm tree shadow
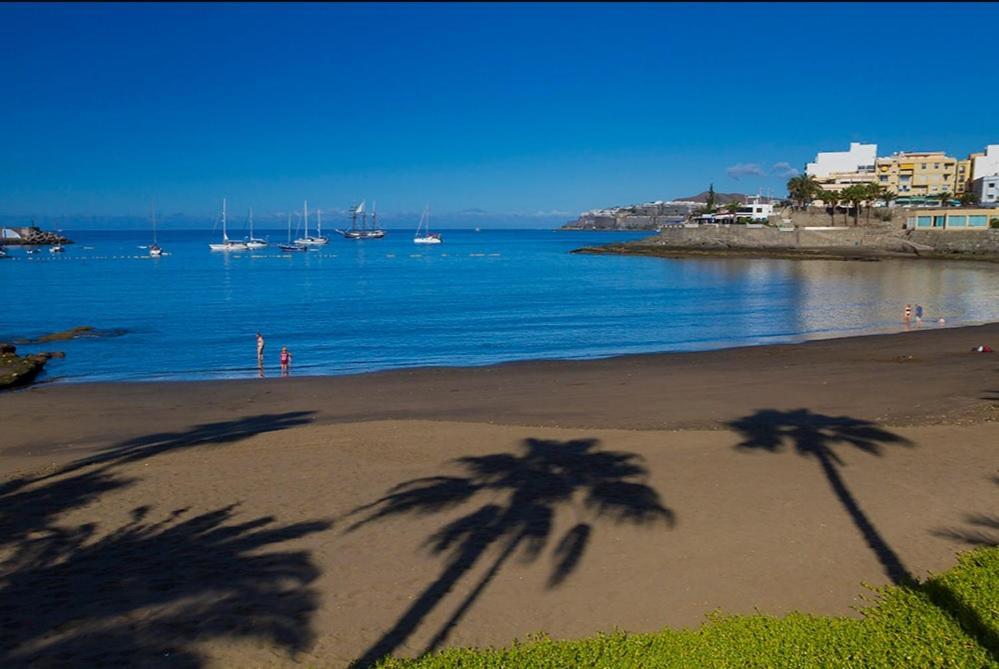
(146, 592)
(522, 493)
(983, 531)
(814, 436)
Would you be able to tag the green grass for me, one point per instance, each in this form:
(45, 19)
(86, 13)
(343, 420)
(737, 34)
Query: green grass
(951, 620)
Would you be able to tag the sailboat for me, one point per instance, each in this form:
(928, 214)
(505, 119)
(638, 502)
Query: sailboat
(227, 244)
(364, 231)
(289, 247)
(308, 240)
(154, 249)
(427, 237)
(251, 241)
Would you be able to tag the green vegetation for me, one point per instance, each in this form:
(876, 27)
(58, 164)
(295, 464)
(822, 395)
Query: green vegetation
(951, 620)
(803, 189)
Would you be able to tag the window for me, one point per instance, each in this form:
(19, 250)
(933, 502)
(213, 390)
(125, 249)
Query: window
(955, 221)
(936, 166)
(884, 180)
(924, 221)
(923, 166)
(978, 221)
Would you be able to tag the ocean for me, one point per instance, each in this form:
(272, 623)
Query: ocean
(479, 298)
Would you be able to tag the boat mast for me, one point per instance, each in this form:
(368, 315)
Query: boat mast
(289, 227)
(251, 224)
(306, 209)
(225, 236)
(319, 224)
(374, 216)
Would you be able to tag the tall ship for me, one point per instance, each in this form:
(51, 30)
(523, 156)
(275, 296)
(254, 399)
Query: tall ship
(361, 227)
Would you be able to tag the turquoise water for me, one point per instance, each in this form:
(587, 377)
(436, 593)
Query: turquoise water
(479, 298)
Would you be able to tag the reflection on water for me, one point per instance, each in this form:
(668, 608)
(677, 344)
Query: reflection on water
(479, 298)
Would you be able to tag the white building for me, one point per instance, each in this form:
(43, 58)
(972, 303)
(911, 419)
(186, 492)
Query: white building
(756, 210)
(986, 189)
(986, 165)
(860, 158)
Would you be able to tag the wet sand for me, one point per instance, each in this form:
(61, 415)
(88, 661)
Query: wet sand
(270, 522)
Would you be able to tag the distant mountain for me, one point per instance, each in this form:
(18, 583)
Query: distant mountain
(725, 198)
(720, 198)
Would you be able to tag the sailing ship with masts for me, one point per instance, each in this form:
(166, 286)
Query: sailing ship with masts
(360, 226)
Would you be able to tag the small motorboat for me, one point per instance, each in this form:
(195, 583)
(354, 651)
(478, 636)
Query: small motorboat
(57, 248)
(155, 251)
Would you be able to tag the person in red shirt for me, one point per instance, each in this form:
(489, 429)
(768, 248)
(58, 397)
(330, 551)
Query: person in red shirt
(285, 360)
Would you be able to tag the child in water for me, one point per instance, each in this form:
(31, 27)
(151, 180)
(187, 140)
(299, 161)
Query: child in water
(285, 360)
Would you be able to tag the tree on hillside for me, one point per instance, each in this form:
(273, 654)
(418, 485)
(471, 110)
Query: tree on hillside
(711, 199)
(803, 189)
(830, 199)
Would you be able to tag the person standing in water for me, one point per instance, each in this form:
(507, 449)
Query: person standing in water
(907, 314)
(285, 360)
(260, 350)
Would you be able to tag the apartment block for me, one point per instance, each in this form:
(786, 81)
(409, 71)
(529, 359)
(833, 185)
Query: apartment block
(920, 173)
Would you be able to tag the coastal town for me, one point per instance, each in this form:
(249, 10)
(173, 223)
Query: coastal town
(840, 182)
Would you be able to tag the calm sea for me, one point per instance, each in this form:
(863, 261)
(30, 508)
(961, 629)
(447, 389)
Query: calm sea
(479, 298)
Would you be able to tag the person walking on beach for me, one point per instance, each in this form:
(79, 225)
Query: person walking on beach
(260, 350)
(919, 314)
(285, 360)
(907, 314)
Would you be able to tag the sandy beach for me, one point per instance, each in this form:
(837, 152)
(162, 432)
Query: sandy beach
(316, 521)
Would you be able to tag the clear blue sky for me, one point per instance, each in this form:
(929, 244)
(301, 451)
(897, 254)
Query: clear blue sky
(505, 108)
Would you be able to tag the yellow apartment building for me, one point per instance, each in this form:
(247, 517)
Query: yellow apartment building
(922, 173)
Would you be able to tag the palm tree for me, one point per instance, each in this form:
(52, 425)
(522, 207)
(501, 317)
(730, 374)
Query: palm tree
(854, 195)
(830, 199)
(872, 192)
(532, 487)
(945, 198)
(803, 189)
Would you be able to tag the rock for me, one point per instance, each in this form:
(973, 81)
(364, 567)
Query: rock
(18, 370)
(65, 334)
(7, 348)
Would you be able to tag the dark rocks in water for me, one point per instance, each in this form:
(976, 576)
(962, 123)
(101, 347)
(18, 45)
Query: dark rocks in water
(81, 332)
(34, 236)
(72, 333)
(16, 370)
(7, 348)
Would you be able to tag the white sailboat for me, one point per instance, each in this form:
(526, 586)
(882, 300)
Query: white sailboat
(309, 240)
(154, 249)
(227, 244)
(289, 247)
(427, 237)
(251, 241)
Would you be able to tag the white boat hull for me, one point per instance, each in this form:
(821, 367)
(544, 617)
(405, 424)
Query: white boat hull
(256, 245)
(312, 241)
(228, 246)
(427, 240)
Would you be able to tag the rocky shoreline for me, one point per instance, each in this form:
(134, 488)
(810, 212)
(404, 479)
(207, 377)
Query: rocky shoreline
(868, 244)
(20, 370)
(33, 236)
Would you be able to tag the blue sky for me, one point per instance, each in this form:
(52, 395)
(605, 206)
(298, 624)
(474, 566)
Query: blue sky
(525, 109)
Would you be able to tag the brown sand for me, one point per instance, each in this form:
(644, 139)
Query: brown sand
(238, 523)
